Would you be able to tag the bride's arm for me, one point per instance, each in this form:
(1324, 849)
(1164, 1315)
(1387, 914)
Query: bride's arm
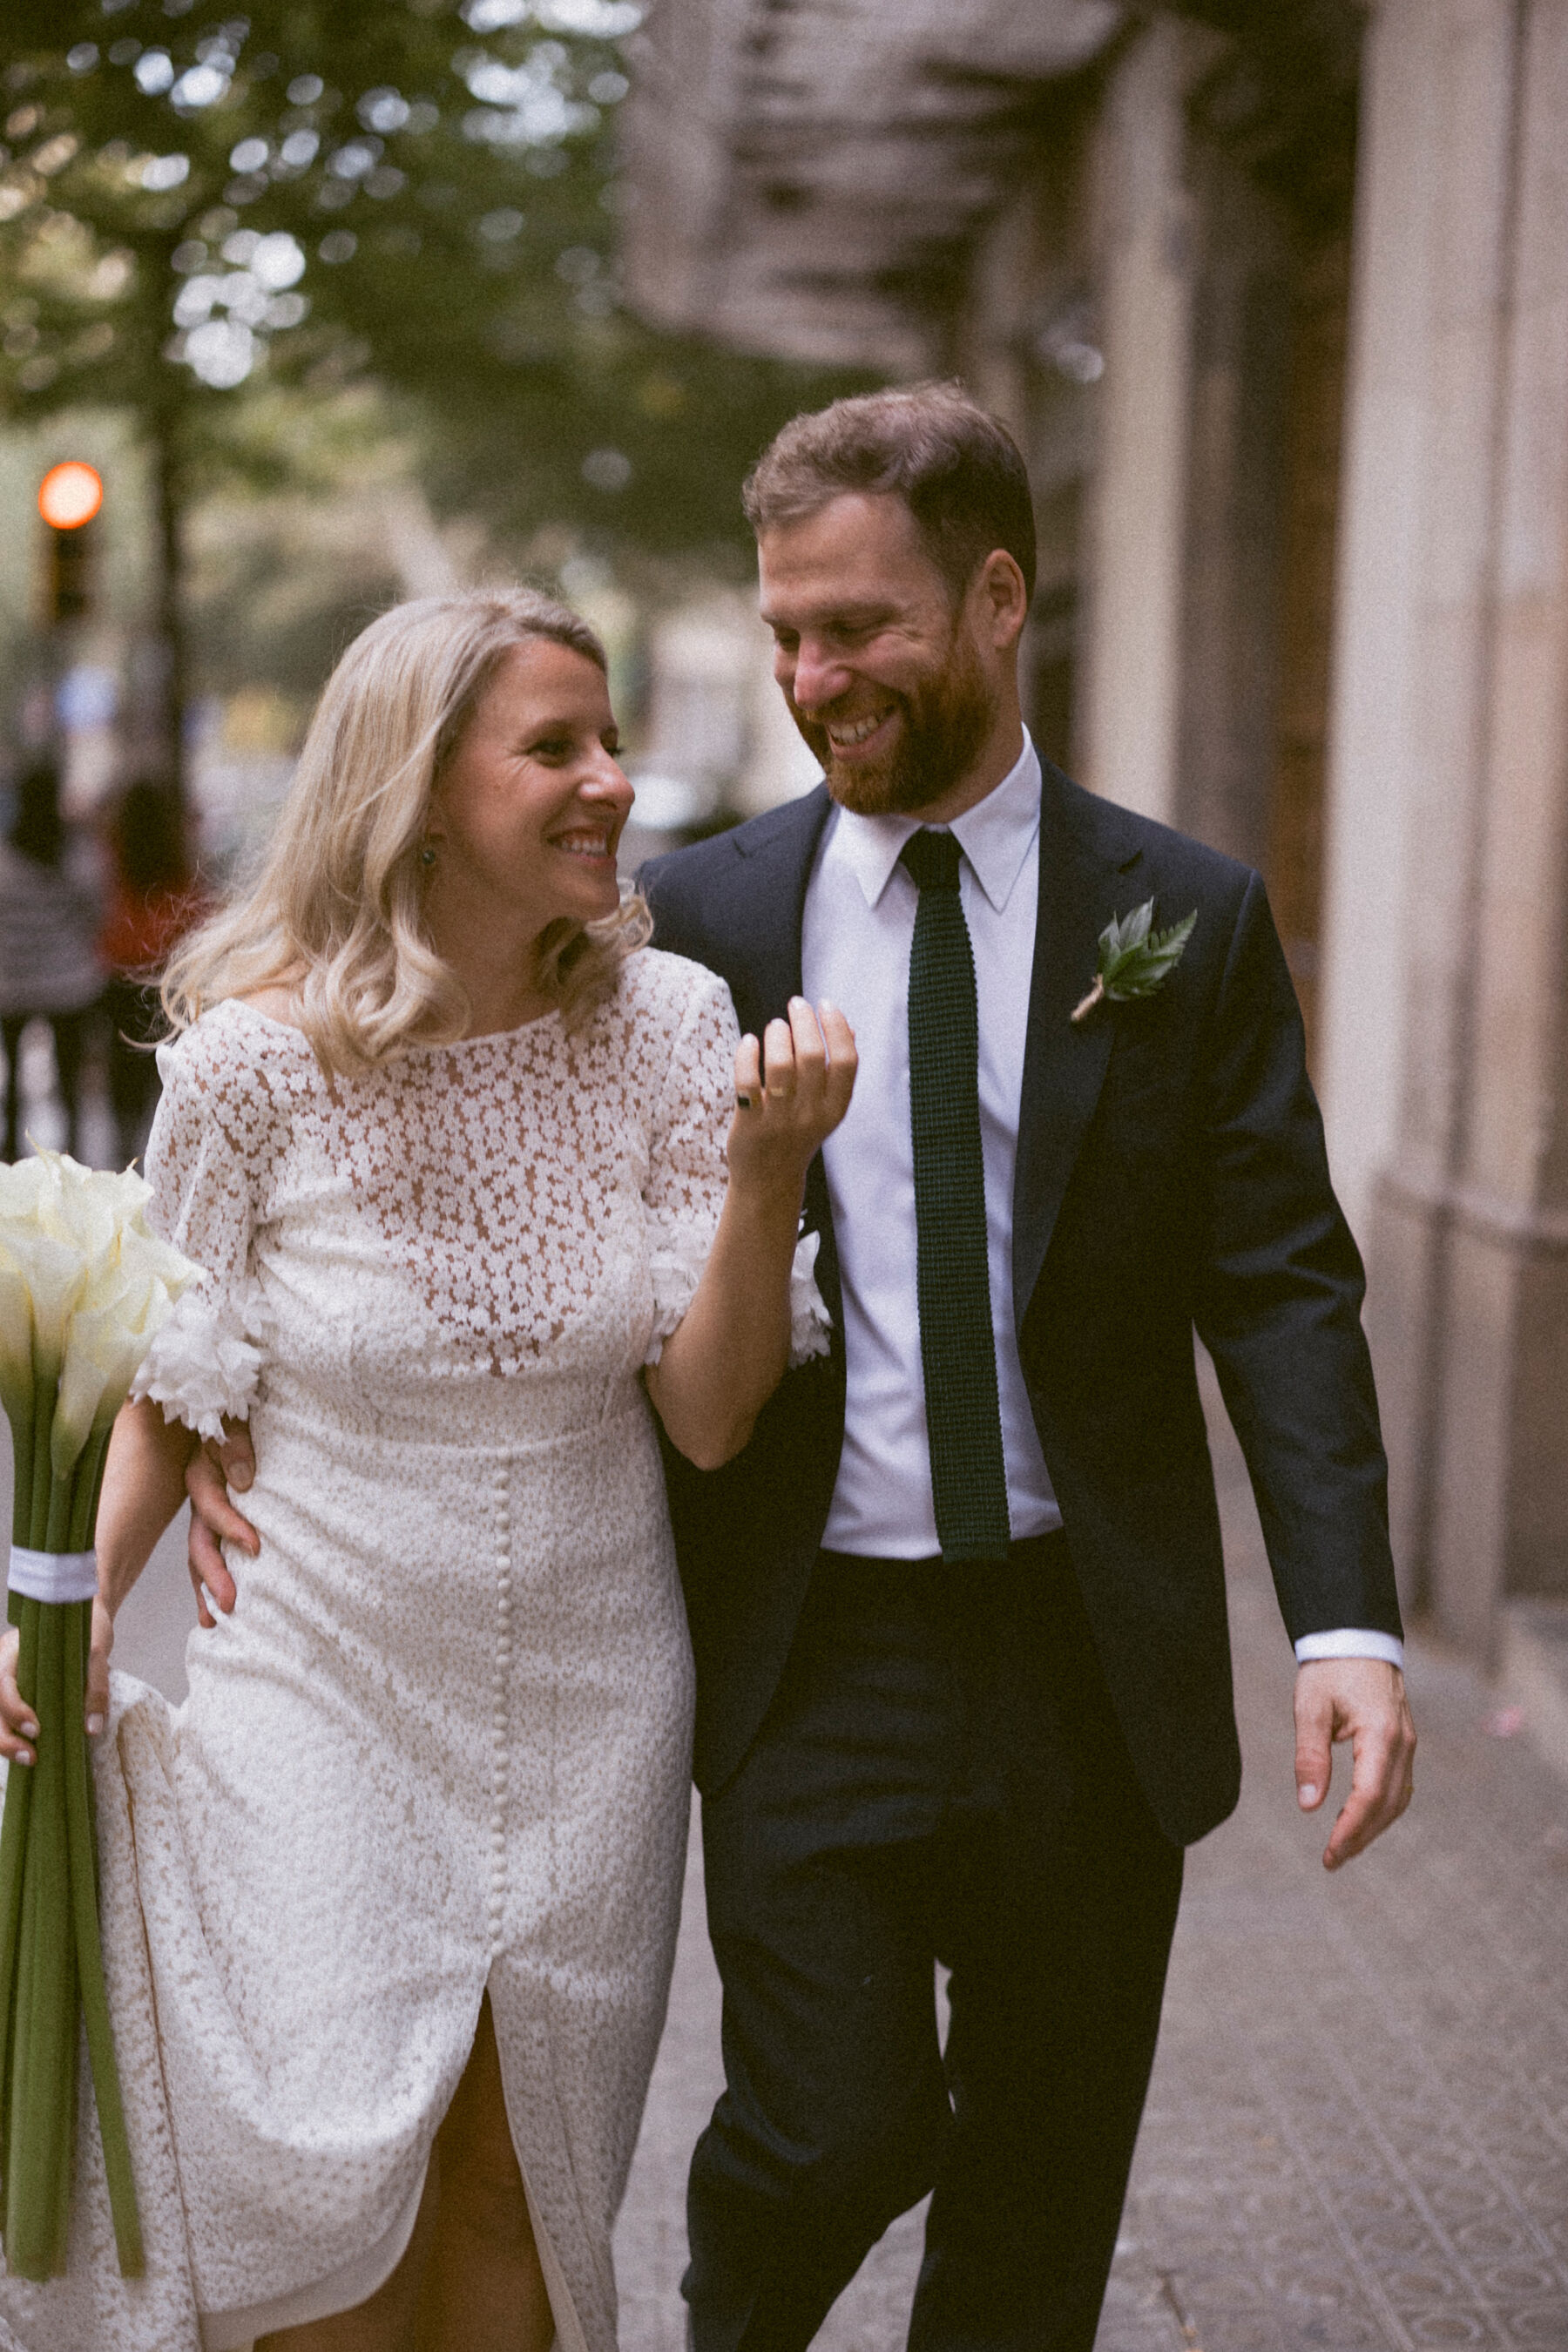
(143, 1487)
(724, 1361)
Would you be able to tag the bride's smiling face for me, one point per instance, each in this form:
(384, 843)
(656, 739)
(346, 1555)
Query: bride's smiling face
(531, 806)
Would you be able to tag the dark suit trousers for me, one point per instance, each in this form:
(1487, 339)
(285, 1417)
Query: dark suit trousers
(940, 1777)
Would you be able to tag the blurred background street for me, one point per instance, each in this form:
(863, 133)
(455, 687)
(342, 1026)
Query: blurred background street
(310, 310)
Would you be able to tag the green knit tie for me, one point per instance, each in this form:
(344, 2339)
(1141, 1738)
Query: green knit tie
(958, 1351)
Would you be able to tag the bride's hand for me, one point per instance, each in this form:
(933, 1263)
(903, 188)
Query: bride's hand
(791, 1091)
(19, 1724)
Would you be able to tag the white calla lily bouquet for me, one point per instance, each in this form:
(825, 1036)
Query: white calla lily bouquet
(84, 1289)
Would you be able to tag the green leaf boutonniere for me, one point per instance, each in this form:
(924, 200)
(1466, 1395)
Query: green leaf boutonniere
(1133, 960)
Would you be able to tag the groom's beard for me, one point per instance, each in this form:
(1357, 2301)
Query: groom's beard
(946, 720)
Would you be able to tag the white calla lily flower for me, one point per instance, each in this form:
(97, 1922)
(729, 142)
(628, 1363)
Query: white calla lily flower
(21, 1186)
(16, 1340)
(84, 1290)
(84, 1207)
(54, 1274)
(110, 1333)
(143, 1257)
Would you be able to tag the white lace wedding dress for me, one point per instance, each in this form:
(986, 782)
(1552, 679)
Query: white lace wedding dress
(442, 1743)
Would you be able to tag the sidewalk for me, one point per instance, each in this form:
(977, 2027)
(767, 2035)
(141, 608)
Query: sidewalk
(1357, 2132)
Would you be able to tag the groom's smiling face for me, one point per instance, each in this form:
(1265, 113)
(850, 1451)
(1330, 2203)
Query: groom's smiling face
(884, 673)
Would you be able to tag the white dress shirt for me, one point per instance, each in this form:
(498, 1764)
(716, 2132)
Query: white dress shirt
(855, 951)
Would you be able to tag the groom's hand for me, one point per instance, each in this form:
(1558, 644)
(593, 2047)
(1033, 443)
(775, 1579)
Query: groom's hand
(1361, 1700)
(214, 1468)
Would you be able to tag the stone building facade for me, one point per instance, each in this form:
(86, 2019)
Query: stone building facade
(1276, 301)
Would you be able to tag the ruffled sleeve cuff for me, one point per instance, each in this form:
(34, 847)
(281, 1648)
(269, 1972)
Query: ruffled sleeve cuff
(203, 1365)
(809, 1320)
(680, 1253)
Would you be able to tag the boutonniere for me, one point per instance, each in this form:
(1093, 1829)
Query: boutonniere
(1133, 960)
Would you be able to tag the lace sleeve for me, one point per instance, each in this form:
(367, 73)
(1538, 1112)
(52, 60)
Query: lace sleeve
(201, 1162)
(687, 1175)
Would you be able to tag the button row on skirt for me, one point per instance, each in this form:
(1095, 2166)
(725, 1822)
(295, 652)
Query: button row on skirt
(497, 1902)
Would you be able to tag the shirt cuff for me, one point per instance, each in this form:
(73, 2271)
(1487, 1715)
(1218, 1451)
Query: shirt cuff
(1351, 1642)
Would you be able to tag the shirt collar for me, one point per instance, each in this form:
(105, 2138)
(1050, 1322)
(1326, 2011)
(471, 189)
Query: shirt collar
(995, 834)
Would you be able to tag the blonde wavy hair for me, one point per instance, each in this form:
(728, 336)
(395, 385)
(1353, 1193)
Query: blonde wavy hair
(334, 910)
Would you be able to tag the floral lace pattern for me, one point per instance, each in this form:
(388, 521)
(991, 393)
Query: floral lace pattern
(517, 1189)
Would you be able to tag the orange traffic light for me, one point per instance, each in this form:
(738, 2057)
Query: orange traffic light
(68, 496)
(71, 495)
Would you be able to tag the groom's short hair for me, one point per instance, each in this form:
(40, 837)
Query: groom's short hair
(955, 467)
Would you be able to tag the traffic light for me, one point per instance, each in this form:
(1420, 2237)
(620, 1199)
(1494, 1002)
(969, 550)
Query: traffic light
(68, 496)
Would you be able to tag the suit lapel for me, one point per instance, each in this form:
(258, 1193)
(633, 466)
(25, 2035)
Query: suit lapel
(1082, 884)
(768, 907)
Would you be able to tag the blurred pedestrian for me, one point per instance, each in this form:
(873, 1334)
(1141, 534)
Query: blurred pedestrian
(153, 899)
(49, 968)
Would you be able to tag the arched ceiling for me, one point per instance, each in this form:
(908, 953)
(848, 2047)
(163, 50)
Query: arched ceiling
(803, 175)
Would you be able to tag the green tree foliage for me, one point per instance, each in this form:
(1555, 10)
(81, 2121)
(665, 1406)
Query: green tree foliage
(192, 207)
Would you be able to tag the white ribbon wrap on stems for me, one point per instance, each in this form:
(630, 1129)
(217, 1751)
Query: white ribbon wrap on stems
(56, 1575)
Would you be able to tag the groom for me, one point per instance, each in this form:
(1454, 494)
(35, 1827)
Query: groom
(959, 1606)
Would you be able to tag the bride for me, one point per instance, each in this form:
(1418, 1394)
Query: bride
(389, 1901)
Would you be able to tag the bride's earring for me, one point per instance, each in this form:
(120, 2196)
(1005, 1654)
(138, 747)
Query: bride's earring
(427, 854)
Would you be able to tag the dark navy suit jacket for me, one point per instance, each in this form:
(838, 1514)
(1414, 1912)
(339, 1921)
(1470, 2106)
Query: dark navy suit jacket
(1171, 1176)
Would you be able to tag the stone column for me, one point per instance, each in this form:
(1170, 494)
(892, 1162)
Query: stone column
(1131, 706)
(1235, 534)
(1501, 1516)
(1372, 767)
(1470, 1229)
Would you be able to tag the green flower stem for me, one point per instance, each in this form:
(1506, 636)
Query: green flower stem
(22, 1409)
(87, 1486)
(65, 2160)
(21, 1417)
(13, 1859)
(90, 1957)
(56, 1526)
(40, 1479)
(58, 1944)
(43, 2114)
(22, 2054)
